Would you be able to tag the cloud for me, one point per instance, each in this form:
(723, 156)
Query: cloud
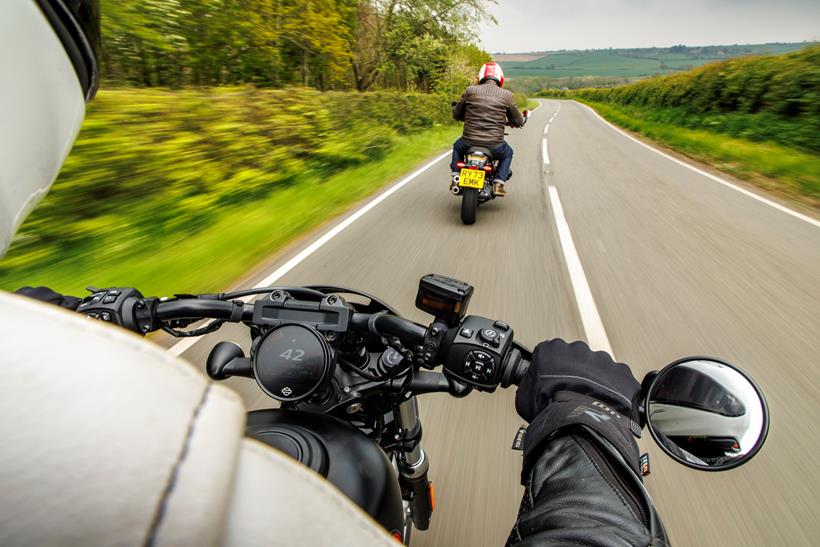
(537, 25)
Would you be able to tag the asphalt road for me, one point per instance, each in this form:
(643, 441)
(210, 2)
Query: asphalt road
(677, 264)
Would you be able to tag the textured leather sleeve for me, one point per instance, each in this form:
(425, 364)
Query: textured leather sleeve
(514, 116)
(460, 108)
(580, 491)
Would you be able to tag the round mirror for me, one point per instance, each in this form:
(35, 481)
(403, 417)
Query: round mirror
(707, 414)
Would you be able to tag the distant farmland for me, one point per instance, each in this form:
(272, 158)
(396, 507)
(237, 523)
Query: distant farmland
(627, 63)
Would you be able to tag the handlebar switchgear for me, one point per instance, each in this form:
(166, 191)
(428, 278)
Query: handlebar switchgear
(123, 306)
(477, 350)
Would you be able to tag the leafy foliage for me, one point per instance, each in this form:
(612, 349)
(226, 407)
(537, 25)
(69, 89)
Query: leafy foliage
(327, 44)
(769, 98)
(157, 165)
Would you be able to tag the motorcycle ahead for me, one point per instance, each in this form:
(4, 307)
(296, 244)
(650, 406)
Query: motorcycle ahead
(475, 181)
(347, 371)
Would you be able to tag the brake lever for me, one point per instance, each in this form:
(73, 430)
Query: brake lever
(436, 382)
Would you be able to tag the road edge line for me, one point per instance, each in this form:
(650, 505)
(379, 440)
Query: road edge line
(590, 318)
(184, 345)
(715, 178)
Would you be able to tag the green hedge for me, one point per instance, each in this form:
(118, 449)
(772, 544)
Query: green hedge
(769, 98)
(158, 165)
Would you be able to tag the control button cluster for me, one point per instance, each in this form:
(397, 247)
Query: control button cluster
(101, 299)
(490, 336)
(479, 366)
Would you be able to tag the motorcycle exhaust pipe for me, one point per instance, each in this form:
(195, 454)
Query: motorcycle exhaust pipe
(456, 190)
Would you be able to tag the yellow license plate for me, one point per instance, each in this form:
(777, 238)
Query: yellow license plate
(471, 178)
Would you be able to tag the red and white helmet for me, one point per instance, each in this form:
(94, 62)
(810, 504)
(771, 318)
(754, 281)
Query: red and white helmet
(491, 71)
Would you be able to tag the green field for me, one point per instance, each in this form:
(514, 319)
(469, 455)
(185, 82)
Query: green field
(633, 63)
(757, 117)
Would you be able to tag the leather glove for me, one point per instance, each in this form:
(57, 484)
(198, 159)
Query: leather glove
(44, 294)
(569, 385)
(559, 366)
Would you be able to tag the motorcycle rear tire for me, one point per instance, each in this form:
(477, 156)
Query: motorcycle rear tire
(469, 206)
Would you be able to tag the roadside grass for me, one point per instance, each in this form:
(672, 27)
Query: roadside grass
(786, 171)
(235, 241)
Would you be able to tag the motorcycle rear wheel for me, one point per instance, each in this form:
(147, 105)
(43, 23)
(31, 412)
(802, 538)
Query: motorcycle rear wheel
(469, 205)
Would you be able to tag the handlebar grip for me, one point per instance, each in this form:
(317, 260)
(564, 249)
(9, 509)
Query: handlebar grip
(515, 367)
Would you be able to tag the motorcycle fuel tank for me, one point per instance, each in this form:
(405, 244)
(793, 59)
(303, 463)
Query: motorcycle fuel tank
(350, 460)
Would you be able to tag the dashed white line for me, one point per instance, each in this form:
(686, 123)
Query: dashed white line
(752, 195)
(590, 318)
(546, 129)
(544, 151)
(183, 345)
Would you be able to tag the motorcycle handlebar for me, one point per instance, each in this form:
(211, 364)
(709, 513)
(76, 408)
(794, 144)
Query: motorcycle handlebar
(515, 364)
(385, 324)
(196, 308)
(379, 323)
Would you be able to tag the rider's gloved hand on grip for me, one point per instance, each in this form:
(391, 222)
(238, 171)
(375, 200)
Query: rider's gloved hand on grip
(44, 294)
(559, 366)
(569, 386)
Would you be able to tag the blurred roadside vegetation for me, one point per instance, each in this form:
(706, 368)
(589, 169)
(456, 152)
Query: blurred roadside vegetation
(756, 117)
(416, 45)
(226, 128)
(185, 190)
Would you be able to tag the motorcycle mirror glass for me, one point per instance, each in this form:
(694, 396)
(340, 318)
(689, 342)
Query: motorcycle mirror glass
(707, 414)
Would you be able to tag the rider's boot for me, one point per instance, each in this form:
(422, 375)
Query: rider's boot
(498, 188)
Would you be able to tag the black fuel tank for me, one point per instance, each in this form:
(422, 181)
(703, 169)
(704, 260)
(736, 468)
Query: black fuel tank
(338, 451)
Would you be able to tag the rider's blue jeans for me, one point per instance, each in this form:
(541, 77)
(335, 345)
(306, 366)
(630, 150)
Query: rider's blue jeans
(502, 152)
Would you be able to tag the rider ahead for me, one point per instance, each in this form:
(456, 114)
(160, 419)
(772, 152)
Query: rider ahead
(486, 109)
(109, 440)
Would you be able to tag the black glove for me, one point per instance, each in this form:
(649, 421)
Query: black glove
(569, 385)
(44, 294)
(559, 366)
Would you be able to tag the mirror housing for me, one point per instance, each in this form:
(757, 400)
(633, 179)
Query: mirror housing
(526, 113)
(705, 413)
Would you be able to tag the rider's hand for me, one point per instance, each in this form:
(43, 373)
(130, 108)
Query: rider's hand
(569, 385)
(44, 294)
(559, 366)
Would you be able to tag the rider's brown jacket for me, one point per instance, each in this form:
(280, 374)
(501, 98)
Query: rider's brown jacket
(485, 110)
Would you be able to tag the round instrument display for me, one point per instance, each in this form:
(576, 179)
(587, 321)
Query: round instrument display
(291, 362)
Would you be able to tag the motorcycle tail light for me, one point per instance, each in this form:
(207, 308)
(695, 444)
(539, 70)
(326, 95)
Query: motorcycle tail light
(488, 168)
(460, 164)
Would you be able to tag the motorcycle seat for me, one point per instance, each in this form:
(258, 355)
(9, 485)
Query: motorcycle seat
(480, 150)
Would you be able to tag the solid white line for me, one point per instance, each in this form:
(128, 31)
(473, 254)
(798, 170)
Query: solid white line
(183, 345)
(544, 151)
(752, 195)
(591, 320)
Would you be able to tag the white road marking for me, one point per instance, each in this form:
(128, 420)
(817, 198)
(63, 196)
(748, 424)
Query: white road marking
(183, 345)
(591, 320)
(752, 195)
(546, 129)
(544, 151)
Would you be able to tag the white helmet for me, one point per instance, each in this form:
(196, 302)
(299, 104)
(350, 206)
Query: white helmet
(49, 56)
(708, 405)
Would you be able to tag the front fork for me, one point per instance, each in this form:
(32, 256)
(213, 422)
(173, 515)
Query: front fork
(413, 465)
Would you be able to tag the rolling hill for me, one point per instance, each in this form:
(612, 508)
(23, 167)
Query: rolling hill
(628, 63)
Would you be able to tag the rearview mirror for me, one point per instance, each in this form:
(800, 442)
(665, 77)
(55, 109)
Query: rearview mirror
(706, 414)
(526, 113)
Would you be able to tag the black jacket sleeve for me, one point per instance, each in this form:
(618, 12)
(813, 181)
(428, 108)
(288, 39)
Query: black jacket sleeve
(580, 491)
(460, 108)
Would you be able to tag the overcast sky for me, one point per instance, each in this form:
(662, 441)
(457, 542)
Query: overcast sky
(544, 25)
